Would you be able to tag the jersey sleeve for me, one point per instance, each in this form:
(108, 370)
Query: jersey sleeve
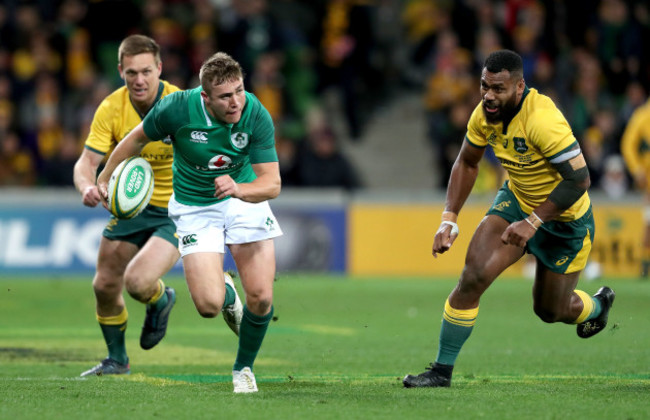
(550, 133)
(163, 117)
(263, 144)
(100, 138)
(475, 135)
(631, 141)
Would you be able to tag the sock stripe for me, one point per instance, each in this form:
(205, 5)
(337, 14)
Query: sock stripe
(588, 306)
(161, 291)
(114, 320)
(462, 317)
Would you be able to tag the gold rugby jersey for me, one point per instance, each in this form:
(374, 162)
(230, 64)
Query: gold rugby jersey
(635, 145)
(114, 119)
(537, 135)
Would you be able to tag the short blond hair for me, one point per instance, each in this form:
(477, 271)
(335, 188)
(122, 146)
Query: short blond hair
(138, 44)
(218, 69)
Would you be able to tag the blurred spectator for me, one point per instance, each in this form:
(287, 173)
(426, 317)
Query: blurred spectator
(446, 101)
(345, 45)
(251, 32)
(268, 84)
(635, 97)
(599, 141)
(422, 21)
(58, 169)
(614, 180)
(318, 160)
(616, 39)
(16, 163)
(589, 96)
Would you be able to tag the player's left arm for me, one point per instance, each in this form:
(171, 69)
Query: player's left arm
(575, 183)
(266, 186)
(630, 143)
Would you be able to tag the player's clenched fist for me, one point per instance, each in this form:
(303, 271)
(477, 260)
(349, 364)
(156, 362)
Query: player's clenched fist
(224, 186)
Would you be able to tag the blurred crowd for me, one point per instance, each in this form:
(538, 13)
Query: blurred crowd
(58, 60)
(591, 57)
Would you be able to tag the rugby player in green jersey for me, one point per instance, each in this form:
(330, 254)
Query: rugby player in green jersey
(543, 209)
(225, 169)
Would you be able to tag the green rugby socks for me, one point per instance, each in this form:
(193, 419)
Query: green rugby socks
(251, 334)
(113, 329)
(457, 325)
(160, 299)
(591, 307)
(229, 299)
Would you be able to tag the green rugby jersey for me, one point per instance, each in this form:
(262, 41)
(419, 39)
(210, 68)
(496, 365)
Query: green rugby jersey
(205, 148)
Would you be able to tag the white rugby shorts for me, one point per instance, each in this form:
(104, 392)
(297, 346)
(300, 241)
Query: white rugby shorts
(232, 221)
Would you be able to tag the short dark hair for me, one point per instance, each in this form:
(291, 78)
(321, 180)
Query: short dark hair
(505, 60)
(138, 44)
(218, 69)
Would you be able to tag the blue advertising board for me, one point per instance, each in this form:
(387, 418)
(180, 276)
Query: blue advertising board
(53, 239)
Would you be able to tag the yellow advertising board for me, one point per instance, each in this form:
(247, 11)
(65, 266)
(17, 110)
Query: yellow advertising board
(396, 239)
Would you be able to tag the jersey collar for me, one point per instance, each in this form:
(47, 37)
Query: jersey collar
(209, 120)
(206, 114)
(161, 87)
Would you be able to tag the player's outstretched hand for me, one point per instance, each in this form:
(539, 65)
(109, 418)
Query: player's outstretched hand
(445, 237)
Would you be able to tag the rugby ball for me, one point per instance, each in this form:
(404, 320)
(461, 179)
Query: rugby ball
(130, 188)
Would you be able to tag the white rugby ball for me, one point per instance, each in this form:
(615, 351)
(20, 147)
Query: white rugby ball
(130, 188)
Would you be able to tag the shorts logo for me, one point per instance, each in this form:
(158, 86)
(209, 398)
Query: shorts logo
(189, 240)
(111, 223)
(239, 140)
(561, 261)
(199, 137)
(520, 144)
(270, 224)
(502, 205)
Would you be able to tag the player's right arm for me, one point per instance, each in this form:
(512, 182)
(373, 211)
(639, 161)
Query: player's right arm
(461, 181)
(85, 170)
(630, 150)
(131, 145)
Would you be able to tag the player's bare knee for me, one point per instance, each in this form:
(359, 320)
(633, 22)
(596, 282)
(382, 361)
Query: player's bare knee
(208, 309)
(105, 288)
(472, 283)
(547, 315)
(139, 287)
(259, 306)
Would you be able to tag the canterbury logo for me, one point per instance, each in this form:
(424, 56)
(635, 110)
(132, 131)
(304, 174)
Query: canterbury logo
(199, 136)
(189, 239)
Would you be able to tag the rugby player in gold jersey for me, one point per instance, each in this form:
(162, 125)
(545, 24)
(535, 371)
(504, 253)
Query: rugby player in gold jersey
(542, 209)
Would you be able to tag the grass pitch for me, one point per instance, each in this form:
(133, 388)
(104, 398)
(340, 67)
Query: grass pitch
(337, 349)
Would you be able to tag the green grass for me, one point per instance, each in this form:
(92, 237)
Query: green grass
(337, 350)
